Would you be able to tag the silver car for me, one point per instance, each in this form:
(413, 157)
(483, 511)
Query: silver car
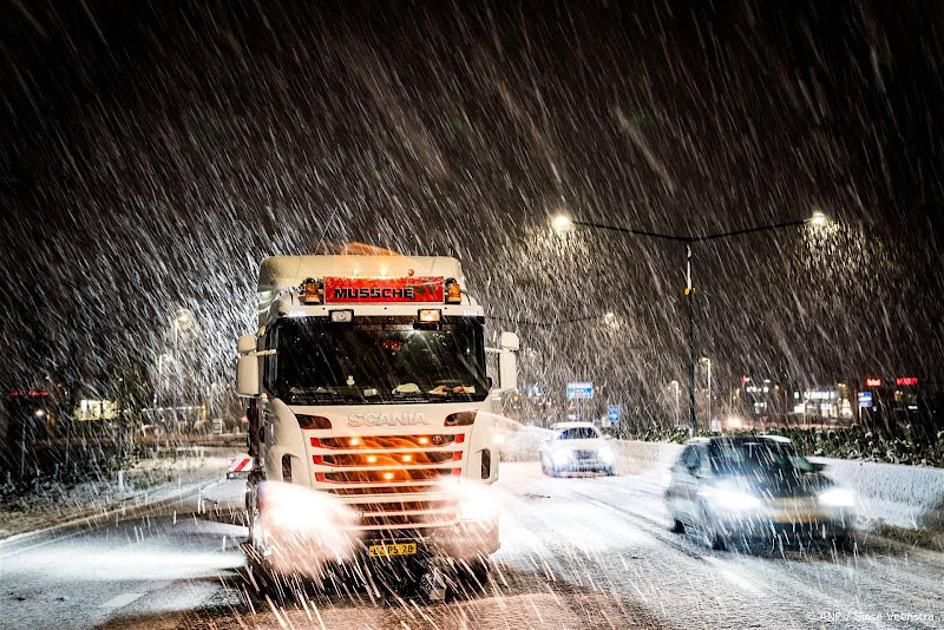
(746, 489)
(576, 447)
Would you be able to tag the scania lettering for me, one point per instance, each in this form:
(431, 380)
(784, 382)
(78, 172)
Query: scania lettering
(372, 418)
(384, 419)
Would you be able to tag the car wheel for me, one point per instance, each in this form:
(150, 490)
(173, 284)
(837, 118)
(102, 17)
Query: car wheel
(676, 526)
(709, 534)
(846, 542)
(713, 540)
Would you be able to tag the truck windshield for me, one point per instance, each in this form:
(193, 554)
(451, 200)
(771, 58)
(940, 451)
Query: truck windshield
(369, 362)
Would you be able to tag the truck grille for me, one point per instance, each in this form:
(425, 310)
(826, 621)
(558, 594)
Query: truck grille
(392, 482)
(387, 442)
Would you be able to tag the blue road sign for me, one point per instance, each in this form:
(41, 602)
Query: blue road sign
(613, 413)
(579, 390)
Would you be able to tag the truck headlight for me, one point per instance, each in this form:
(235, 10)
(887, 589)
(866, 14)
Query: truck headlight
(837, 497)
(477, 508)
(561, 457)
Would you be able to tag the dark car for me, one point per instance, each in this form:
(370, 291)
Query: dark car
(745, 489)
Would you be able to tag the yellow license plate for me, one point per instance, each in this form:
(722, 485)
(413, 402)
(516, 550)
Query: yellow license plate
(388, 551)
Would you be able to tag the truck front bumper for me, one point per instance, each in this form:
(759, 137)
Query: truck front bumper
(465, 540)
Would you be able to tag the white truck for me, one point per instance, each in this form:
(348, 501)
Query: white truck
(367, 386)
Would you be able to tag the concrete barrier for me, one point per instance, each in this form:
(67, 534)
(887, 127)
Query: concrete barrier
(910, 497)
(522, 442)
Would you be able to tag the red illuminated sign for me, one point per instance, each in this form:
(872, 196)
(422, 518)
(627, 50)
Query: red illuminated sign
(372, 290)
(873, 382)
(906, 380)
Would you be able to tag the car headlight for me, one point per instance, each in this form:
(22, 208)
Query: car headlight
(605, 453)
(561, 457)
(734, 500)
(837, 497)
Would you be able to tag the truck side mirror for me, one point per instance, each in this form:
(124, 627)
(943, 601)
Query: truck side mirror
(509, 341)
(247, 367)
(246, 344)
(247, 375)
(508, 361)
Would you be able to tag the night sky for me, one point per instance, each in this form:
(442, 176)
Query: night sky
(152, 154)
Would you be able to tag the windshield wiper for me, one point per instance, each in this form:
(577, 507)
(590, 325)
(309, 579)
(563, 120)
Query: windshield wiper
(410, 396)
(318, 391)
(321, 393)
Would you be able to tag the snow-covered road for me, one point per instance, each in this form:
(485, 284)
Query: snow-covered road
(577, 553)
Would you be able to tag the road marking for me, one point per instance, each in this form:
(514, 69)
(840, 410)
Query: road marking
(120, 601)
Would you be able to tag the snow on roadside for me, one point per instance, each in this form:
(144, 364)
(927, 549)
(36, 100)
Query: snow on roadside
(52, 503)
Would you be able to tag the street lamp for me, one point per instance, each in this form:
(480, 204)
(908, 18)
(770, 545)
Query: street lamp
(562, 223)
(183, 320)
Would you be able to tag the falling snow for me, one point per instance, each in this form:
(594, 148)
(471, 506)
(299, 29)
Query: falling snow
(153, 155)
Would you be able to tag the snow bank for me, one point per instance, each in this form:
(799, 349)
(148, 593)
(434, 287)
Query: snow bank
(904, 496)
(521, 443)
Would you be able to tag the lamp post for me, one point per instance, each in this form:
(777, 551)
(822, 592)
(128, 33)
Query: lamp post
(707, 363)
(562, 223)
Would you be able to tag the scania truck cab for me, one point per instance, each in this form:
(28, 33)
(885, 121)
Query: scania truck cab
(371, 412)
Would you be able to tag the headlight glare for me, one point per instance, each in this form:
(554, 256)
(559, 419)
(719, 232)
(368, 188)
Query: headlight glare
(605, 453)
(561, 457)
(734, 500)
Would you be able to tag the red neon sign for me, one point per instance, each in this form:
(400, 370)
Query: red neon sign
(906, 380)
(371, 290)
(873, 382)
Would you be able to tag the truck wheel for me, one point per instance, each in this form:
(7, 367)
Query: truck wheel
(259, 581)
(479, 571)
(469, 577)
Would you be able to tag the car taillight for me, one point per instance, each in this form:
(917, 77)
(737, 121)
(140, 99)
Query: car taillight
(460, 419)
(312, 422)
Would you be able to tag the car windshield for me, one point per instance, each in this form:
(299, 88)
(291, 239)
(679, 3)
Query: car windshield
(578, 433)
(377, 362)
(764, 456)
